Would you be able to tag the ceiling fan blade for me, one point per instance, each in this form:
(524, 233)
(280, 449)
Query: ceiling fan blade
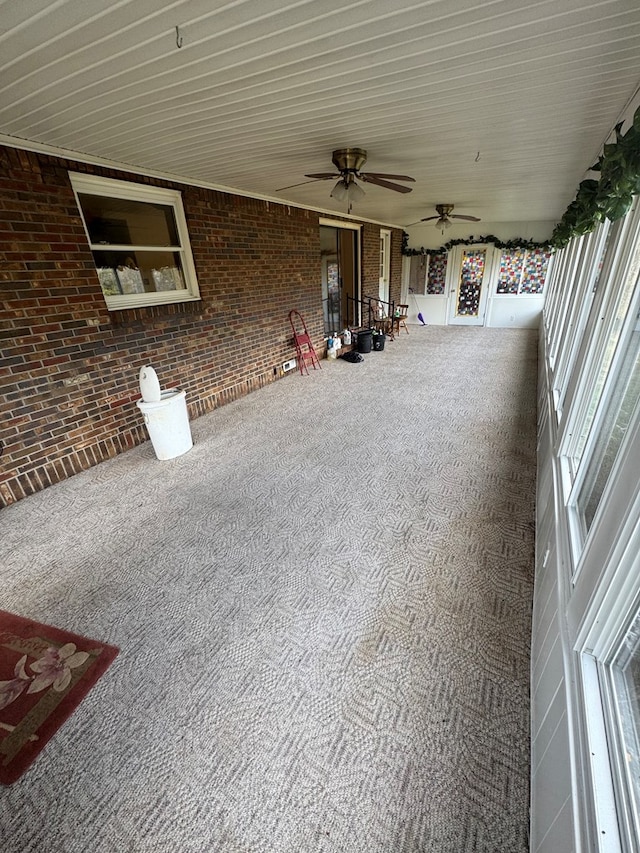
(466, 218)
(389, 177)
(369, 178)
(296, 185)
(325, 176)
(428, 219)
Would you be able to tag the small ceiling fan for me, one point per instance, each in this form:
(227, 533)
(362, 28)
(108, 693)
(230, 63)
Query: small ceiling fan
(445, 216)
(349, 162)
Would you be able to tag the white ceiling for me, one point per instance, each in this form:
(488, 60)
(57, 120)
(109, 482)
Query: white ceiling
(497, 106)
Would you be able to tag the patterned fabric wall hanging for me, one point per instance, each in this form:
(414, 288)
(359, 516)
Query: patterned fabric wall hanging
(523, 271)
(511, 264)
(535, 271)
(437, 273)
(471, 274)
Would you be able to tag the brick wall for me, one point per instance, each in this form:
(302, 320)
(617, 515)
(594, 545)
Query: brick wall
(69, 369)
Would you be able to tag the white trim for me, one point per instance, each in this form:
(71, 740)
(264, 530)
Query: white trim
(384, 277)
(604, 819)
(339, 223)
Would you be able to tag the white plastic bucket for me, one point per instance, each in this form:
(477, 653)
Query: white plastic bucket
(168, 424)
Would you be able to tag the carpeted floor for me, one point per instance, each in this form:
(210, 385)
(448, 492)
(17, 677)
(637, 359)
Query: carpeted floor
(323, 611)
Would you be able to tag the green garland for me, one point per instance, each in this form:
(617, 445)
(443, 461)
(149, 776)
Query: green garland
(517, 243)
(611, 196)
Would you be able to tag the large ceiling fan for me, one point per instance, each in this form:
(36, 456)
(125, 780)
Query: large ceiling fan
(349, 162)
(445, 216)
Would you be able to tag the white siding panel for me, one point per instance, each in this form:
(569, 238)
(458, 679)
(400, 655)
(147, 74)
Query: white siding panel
(548, 661)
(551, 789)
(552, 818)
(547, 686)
(546, 717)
(545, 608)
(559, 838)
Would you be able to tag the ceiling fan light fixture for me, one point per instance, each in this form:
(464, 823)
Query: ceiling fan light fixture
(355, 192)
(340, 191)
(445, 218)
(347, 189)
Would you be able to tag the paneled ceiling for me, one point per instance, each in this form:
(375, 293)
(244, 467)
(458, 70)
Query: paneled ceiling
(497, 106)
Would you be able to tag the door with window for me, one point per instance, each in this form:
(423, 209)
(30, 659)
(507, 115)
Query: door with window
(469, 275)
(340, 264)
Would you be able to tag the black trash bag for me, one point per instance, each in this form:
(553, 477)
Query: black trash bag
(352, 356)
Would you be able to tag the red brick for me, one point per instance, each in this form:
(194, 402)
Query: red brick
(255, 261)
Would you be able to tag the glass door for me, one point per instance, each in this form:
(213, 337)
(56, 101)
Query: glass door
(340, 257)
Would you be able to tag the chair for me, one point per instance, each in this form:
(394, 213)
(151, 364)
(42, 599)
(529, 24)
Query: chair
(400, 318)
(304, 348)
(380, 321)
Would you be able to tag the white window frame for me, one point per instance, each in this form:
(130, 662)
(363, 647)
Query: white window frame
(599, 329)
(604, 602)
(526, 293)
(580, 298)
(577, 533)
(588, 357)
(564, 271)
(598, 593)
(384, 285)
(111, 188)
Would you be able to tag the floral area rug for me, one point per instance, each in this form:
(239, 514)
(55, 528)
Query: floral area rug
(44, 675)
